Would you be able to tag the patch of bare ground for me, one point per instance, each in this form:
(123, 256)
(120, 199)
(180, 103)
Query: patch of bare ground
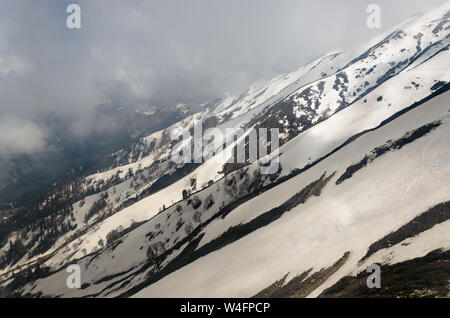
(428, 276)
(390, 145)
(425, 221)
(301, 286)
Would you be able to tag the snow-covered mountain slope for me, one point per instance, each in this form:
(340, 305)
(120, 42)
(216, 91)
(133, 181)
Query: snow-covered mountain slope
(366, 215)
(344, 217)
(266, 93)
(402, 49)
(365, 138)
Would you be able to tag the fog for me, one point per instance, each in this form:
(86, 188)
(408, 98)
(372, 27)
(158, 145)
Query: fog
(159, 53)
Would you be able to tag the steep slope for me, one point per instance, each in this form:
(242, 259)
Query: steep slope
(364, 152)
(346, 217)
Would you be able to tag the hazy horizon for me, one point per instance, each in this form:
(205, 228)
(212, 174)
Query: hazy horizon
(159, 53)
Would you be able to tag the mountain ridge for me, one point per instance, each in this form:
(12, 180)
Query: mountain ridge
(137, 213)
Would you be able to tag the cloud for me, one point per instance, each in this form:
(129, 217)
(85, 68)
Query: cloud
(166, 52)
(20, 137)
(154, 52)
(10, 65)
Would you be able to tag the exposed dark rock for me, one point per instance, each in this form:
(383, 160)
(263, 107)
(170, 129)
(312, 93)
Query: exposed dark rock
(425, 221)
(427, 276)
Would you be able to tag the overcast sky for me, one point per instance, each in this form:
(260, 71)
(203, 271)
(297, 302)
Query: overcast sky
(162, 52)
